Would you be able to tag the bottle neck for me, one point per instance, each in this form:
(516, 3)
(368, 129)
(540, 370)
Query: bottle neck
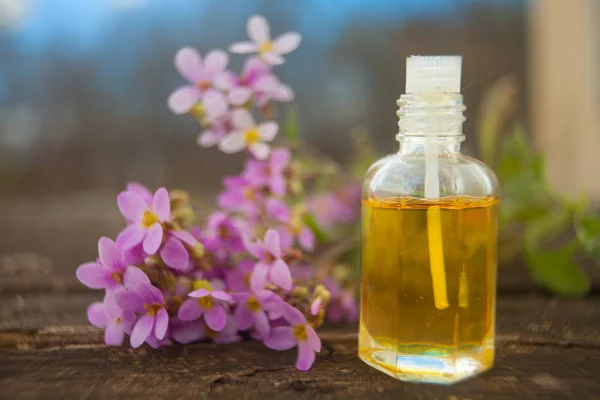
(430, 123)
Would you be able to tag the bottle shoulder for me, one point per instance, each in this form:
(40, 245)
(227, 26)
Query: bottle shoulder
(398, 175)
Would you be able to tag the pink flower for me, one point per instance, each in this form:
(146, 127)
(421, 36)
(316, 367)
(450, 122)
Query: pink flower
(269, 173)
(239, 195)
(177, 248)
(112, 270)
(146, 220)
(278, 210)
(149, 301)
(251, 310)
(194, 331)
(215, 132)
(238, 277)
(200, 74)
(270, 51)
(141, 191)
(299, 334)
(222, 232)
(247, 134)
(208, 302)
(270, 267)
(108, 315)
(256, 80)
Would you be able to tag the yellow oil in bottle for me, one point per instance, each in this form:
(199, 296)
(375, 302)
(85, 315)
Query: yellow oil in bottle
(404, 330)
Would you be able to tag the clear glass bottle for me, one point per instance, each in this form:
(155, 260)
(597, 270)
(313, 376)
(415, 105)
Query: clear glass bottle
(429, 237)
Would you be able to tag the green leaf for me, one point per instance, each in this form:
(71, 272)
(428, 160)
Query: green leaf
(311, 222)
(556, 270)
(291, 127)
(587, 228)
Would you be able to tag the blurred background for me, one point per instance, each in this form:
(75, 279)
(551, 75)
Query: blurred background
(84, 83)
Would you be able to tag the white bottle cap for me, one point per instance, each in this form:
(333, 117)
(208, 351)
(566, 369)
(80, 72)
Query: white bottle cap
(438, 74)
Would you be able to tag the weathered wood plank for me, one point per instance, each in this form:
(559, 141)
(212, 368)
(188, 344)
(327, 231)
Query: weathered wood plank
(249, 371)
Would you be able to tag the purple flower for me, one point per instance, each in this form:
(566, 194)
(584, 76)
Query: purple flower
(271, 267)
(239, 195)
(256, 79)
(222, 232)
(247, 134)
(177, 249)
(200, 74)
(108, 315)
(269, 173)
(251, 310)
(208, 302)
(334, 208)
(141, 191)
(216, 130)
(297, 229)
(146, 227)
(270, 51)
(238, 277)
(111, 271)
(278, 210)
(298, 334)
(343, 306)
(149, 301)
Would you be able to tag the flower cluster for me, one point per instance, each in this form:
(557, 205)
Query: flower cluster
(244, 271)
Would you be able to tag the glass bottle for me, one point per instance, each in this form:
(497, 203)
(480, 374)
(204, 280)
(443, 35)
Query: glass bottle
(429, 238)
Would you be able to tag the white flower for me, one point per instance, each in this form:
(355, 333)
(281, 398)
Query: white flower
(246, 134)
(270, 51)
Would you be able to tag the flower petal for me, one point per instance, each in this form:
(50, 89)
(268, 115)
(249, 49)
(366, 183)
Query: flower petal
(313, 338)
(185, 237)
(306, 356)
(175, 255)
(187, 332)
(221, 295)
(243, 48)
(161, 204)
(258, 29)
(273, 58)
(133, 277)
(153, 238)
(244, 317)
(307, 239)
(129, 300)
(114, 334)
(189, 64)
(132, 206)
(162, 323)
(292, 314)
(94, 276)
(183, 99)
(281, 338)
(225, 81)
(96, 315)
(287, 42)
(277, 185)
(141, 331)
(232, 142)
(242, 119)
(280, 274)
(110, 255)
(199, 293)
(215, 103)
(215, 62)
(216, 318)
(279, 159)
(239, 96)
(150, 294)
(131, 236)
(272, 243)
(259, 276)
(261, 323)
(209, 138)
(282, 93)
(190, 310)
(260, 150)
(268, 130)
(280, 211)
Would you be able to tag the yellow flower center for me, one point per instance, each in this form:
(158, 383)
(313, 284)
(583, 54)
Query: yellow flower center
(269, 258)
(117, 277)
(206, 302)
(203, 284)
(252, 136)
(249, 194)
(253, 304)
(152, 309)
(197, 251)
(247, 279)
(197, 111)
(204, 85)
(300, 333)
(266, 47)
(118, 320)
(149, 219)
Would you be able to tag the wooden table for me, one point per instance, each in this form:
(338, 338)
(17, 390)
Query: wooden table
(546, 349)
